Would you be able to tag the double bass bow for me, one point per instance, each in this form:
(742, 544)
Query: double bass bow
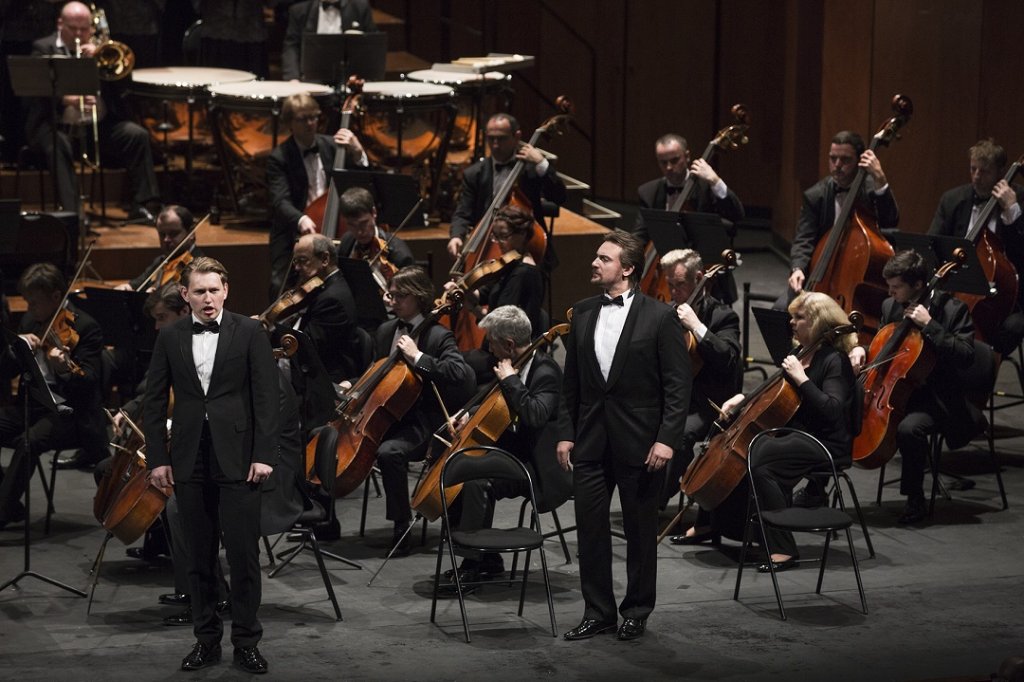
(721, 461)
(731, 137)
(847, 264)
(730, 259)
(325, 210)
(988, 312)
(898, 362)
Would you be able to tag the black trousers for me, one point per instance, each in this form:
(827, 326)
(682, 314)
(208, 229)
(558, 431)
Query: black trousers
(47, 431)
(212, 505)
(639, 494)
(393, 457)
(478, 498)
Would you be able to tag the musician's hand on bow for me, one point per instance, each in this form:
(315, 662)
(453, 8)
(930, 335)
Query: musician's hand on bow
(658, 457)
(870, 163)
(529, 153)
(703, 170)
(306, 225)
(259, 472)
(504, 369)
(1005, 195)
(455, 247)
(408, 347)
(58, 360)
(918, 314)
(162, 477)
(31, 340)
(796, 280)
(562, 451)
(795, 369)
(731, 404)
(687, 317)
(858, 359)
(346, 138)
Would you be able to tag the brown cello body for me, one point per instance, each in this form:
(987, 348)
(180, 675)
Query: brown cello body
(138, 502)
(988, 312)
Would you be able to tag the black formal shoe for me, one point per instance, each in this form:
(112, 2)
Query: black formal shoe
(590, 627)
(14, 515)
(467, 576)
(142, 553)
(202, 655)
(401, 540)
(223, 607)
(140, 215)
(183, 617)
(915, 512)
(777, 565)
(76, 460)
(631, 628)
(175, 599)
(249, 659)
(699, 538)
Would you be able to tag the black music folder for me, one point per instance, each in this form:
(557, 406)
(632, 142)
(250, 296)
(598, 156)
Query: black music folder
(367, 294)
(395, 194)
(969, 278)
(706, 233)
(331, 58)
(776, 332)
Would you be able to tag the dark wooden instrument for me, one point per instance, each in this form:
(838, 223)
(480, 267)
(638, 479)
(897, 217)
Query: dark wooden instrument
(377, 401)
(988, 312)
(174, 264)
(899, 361)
(289, 303)
(468, 334)
(730, 259)
(847, 264)
(731, 137)
(484, 427)
(721, 461)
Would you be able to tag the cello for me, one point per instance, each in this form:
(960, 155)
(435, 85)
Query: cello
(988, 312)
(732, 137)
(899, 361)
(325, 210)
(730, 259)
(377, 401)
(721, 461)
(847, 264)
(486, 425)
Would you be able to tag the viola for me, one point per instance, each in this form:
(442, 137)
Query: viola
(721, 460)
(484, 427)
(988, 312)
(377, 401)
(172, 267)
(653, 282)
(899, 361)
(290, 302)
(469, 335)
(847, 264)
(325, 210)
(730, 259)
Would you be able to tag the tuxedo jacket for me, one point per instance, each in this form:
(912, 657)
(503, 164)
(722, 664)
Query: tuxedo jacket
(653, 195)
(719, 379)
(242, 405)
(399, 253)
(441, 364)
(288, 185)
(281, 502)
(647, 394)
(819, 213)
(303, 17)
(478, 192)
(329, 320)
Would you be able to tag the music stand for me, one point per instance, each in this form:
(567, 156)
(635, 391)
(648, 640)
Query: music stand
(369, 303)
(330, 58)
(121, 315)
(33, 387)
(706, 233)
(776, 332)
(10, 221)
(51, 77)
(395, 194)
(969, 278)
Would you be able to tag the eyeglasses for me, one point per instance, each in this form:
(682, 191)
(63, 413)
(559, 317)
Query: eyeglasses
(301, 261)
(502, 237)
(394, 295)
(308, 118)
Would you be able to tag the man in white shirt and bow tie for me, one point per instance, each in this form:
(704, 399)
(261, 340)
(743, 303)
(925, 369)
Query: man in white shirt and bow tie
(321, 16)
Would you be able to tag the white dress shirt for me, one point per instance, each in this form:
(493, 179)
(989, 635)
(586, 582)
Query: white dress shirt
(610, 321)
(204, 352)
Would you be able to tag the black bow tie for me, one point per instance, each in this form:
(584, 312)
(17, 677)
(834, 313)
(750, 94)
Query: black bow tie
(405, 326)
(841, 190)
(605, 300)
(212, 327)
(975, 199)
(310, 151)
(328, 4)
(503, 166)
(672, 191)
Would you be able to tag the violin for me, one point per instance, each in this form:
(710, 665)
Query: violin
(847, 264)
(486, 425)
(172, 267)
(289, 303)
(730, 260)
(469, 335)
(899, 361)
(325, 210)
(721, 460)
(60, 333)
(988, 312)
(653, 282)
(380, 267)
(378, 400)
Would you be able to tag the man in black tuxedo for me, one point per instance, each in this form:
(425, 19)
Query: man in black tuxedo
(83, 425)
(362, 235)
(320, 16)
(627, 390)
(122, 140)
(959, 208)
(223, 445)
(297, 176)
(823, 201)
(711, 194)
(480, 180)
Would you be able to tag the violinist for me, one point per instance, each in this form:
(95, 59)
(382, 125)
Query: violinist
(823, 201)
(715, 329)
(434, 356)
(297, 176)
(711, 196)
(483, 178)
(57, 354)
(173, 224)
(532, 395)
(940, 404)
(959, 207)
(363, 238)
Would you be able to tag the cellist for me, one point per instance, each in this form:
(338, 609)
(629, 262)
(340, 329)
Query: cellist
(481, 179)
(822, 203)
(959, 207)
(940, 404)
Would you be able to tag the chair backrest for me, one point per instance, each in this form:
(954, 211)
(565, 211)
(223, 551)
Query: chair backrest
(795, 440)
(477, 462)
(325, 460)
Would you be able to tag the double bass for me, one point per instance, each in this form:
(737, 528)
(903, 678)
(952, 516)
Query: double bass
(484, 427)
(847, 264)
(730, 259)
(988, 312)
(721, 461)
(653, 282)
(378, 400)
(898, 362)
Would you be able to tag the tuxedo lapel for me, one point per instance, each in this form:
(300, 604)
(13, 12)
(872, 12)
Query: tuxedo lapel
(622, 348)
(227, 334)
(185, 345)
(589, 355)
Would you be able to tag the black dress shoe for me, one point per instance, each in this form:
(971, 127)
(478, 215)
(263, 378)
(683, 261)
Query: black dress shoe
(699, 538)
(631, 628)
(249, 659)
(467, 577)
(916, 511)
(12, 516)
(401, 541)
(202, 655)
(777, 565)
(76, 460)
(174, 599)
(183, 617)
(590, 627)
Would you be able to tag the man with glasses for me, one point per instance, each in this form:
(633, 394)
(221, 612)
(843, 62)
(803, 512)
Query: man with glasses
(297, 176)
